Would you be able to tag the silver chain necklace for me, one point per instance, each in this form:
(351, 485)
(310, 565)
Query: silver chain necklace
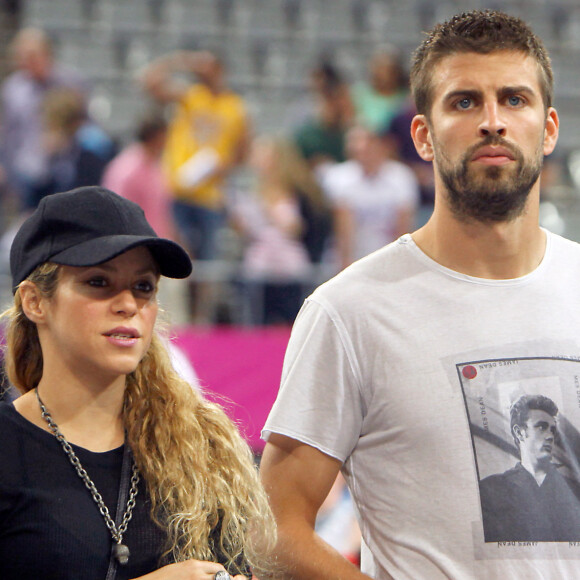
(120, 550)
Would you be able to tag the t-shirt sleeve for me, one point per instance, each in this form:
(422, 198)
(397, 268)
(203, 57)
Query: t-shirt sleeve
(320, 401)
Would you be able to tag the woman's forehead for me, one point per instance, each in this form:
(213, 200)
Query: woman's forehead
(135, 260)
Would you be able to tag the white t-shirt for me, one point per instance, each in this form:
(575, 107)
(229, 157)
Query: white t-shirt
(375, 200)
(405, 370)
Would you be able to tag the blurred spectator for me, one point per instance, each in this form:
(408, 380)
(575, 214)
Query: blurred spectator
(320, 137)
(297, 175)
(377, 101)
(399, 134)
(136, 173)
(275, 263)
(336, 522)
(69, 163)
(375, 197)
(22, 154)
(207, 139)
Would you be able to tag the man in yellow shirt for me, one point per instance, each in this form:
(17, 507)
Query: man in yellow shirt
(208, 136)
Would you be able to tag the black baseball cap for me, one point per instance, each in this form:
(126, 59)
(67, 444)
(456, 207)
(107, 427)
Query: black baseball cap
(88, 226)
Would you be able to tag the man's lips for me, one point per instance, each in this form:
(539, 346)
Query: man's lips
(493, 155)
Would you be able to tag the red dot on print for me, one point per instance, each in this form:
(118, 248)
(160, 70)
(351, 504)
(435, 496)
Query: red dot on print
(469, 372)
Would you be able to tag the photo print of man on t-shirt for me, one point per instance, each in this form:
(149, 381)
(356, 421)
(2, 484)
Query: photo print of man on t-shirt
(524, 418)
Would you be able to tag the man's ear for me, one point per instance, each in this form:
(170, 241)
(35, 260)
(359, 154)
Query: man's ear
(421, 134)
(518, 432)
(551, 131)
(33, 304)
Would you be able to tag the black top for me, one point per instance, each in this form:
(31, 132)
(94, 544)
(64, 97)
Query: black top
(516, 508)
(50, 526)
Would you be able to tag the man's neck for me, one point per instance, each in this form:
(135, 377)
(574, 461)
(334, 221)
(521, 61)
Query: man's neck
(497, 251)
(537, 470)
(371, 167)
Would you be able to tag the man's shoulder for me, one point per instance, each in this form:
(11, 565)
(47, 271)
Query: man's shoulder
(508, 477)
(564, 255)
(363, 277)
(564, 245)
(226, 94)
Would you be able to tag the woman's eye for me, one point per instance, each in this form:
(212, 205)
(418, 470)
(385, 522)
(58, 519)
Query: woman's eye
(145, 287)
(97, 282)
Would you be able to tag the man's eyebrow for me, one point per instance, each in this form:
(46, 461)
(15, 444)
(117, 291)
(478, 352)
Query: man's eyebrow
(477, 94)
(463, 93)
(506, 91)
(542, 423)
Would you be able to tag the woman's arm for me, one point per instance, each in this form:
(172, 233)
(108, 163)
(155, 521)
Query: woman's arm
(188, 570)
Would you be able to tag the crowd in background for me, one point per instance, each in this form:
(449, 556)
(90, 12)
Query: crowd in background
(339, 180)
(266, 217)
(331, 188)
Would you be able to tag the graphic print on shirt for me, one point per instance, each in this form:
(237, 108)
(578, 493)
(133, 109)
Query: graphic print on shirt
(524, 421)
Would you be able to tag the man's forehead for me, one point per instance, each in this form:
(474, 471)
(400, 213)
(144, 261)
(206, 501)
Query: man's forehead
(475, 71)
(536, 415)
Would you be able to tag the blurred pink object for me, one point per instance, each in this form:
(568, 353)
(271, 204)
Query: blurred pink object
(240, 369)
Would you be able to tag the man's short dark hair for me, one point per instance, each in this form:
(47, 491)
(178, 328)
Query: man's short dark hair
(149, 125)
(520, 410)
(482, 32)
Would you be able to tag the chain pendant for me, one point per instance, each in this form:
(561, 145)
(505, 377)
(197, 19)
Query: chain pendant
(121, 553)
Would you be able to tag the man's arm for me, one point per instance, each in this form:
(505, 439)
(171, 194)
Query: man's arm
(158, 78)
(297, 478)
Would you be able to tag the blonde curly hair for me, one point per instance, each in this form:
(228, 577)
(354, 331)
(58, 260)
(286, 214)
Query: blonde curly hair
(200, 473)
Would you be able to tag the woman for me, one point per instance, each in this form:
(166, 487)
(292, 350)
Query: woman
(112, 466)
(283, 222)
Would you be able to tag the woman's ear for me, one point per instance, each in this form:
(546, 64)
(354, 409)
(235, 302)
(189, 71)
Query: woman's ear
(32, 301)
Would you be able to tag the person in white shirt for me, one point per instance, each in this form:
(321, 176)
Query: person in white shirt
(374, 197)
(398, 369)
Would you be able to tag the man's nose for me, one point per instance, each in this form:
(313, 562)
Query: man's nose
(492, 122)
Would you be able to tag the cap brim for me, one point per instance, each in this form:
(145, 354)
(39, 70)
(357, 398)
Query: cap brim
(172, 259)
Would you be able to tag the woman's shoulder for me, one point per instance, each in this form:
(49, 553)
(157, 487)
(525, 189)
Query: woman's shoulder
(14, 428)
(7, 411)
(11, 422)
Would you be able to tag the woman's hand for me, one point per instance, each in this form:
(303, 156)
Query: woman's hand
(188, 570)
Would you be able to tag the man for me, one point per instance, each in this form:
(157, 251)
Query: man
(374, 197)
(136, 173)
(370, 383)
(208, 137)
(532, 501)
(22, 154)
(379, 99)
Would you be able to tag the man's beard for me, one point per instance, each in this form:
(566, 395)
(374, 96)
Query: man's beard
(498, 193)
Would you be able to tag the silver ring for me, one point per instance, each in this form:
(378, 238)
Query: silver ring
(222, 575)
